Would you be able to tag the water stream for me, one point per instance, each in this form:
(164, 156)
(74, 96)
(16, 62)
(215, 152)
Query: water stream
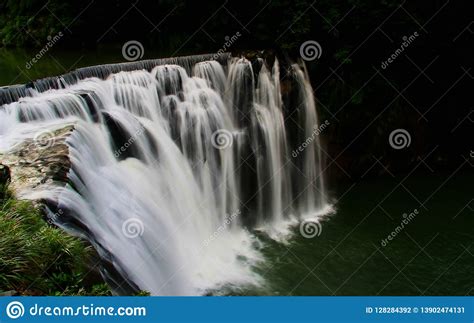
(176, 164)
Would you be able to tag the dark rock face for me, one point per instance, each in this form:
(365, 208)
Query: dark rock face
(5, 178)
(4, 175)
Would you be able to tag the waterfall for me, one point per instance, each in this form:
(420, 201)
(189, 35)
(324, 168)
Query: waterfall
(175, 163)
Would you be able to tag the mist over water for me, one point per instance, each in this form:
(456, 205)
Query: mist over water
(174, 168)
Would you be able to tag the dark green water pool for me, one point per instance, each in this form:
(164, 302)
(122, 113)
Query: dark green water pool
(432, 255)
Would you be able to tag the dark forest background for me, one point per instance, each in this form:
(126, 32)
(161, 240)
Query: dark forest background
(424, 91)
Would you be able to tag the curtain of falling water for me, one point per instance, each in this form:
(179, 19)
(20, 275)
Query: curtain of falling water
(168, 169)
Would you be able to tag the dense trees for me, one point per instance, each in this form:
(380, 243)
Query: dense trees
(424, 90)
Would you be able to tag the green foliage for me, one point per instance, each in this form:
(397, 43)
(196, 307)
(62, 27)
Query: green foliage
(342, 56)
(30, 22)
(38, 259)
(142, 293)
(96, 290)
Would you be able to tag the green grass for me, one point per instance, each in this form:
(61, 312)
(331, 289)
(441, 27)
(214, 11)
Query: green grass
(39, 259)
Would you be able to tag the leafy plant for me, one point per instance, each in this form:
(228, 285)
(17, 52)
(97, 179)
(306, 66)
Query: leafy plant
(39, 259)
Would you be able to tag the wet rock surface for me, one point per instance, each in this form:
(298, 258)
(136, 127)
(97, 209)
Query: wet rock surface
(37, 162)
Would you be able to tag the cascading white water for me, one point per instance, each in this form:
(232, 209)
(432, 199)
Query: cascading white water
(168, 170)
(271, 148)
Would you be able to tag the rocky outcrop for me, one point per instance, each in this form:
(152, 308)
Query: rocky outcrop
(38, 162)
